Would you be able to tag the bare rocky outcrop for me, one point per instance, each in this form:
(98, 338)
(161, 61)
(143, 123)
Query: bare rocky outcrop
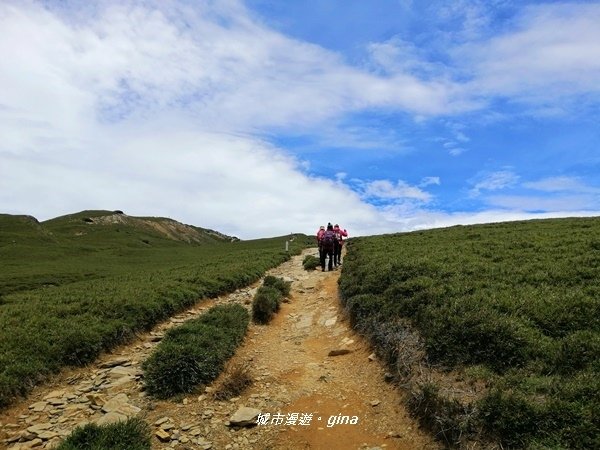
(168, 228)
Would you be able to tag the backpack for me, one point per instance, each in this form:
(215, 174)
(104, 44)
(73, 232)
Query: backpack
(328, 239)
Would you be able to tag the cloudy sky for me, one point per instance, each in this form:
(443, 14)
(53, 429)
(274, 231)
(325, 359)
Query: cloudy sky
(263, 117)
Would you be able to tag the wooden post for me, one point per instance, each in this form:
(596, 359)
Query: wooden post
(287, 246)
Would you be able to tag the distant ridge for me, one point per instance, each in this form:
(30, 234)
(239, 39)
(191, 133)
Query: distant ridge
(22, 228)
(107, 226)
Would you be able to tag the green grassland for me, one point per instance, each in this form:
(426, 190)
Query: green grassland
(515, 305)
(78, 285)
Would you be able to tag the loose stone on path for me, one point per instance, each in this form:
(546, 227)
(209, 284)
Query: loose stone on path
(244, 417)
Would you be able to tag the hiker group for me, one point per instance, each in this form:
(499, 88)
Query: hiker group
(330, 243)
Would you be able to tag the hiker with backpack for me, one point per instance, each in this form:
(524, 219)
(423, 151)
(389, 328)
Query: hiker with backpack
(327, 247)
(320, 234)
(338, 244)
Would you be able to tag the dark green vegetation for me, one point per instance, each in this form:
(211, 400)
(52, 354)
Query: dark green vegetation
(195, 352)
(310, 262)
(77, 285)
(516, 305)
(133, 434)
(268, 299)
(284, 287)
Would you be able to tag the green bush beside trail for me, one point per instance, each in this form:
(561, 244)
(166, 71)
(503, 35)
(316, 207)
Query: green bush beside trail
(518, 300)
(268, 299)
(132, 434)
(310, 262)
(284, 287)
(195, 352)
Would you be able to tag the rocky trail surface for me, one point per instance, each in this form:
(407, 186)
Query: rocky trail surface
(315, 384)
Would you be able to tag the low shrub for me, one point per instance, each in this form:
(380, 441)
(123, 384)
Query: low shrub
(236, 380)
(564, 420)
(268, 298)
(310, 262)
(361, 308)
(278, 283)
(448, 419)
(265, 304)
(133, 434)
(475, 335)
(578, 351)
(195, 352)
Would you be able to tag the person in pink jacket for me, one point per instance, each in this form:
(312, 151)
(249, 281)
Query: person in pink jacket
(339, 237)
(320, 234)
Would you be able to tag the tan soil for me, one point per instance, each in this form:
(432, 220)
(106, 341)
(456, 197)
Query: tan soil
(292, 373)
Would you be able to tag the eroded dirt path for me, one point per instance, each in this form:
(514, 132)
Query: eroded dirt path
(292, 372)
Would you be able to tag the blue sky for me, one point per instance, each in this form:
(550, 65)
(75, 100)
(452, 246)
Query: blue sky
(260, 117)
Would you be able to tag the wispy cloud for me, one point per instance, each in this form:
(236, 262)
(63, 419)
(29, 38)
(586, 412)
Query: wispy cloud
(492, 181)
(427, 181)
(552, 53)
(562, 184)
(544, 203)
(386, 189)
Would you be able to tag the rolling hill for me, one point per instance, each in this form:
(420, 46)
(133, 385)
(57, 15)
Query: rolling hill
(77, 285)
(104, 227)
(494, 329)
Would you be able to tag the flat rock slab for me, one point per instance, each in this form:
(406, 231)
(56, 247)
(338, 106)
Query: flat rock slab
(115, 362)
(39, 406)
(162, 435)
(309, 284)
(56, 401)
(46, 435)
(111, 417)
(161, 421)
(120, 371)
(96, 399)
(55, 394)
(304, 321)
(244, 417)
(38, 428)
(120, 404)
(331, 322)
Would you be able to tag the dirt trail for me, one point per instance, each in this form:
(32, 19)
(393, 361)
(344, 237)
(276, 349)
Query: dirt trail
(292, 372)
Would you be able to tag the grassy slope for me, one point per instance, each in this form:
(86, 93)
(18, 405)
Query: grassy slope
(71, 289)
(517, 304)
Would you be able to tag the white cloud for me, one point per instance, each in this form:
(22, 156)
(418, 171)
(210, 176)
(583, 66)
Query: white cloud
(461, 137)
(493, 181)
(237, 185)
(385, 189)
(396, 56)
(547, 55)
(562, 184)
(552, 52)
(154, 108)
(426, 181)
(457, 151)
(440, 219)
(546, 204)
